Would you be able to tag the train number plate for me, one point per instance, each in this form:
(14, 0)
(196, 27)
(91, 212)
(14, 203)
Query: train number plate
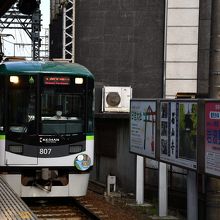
(45, 151)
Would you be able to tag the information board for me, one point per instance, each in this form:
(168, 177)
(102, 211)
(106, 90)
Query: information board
(143, 127)
(212, 138)
(178, 129)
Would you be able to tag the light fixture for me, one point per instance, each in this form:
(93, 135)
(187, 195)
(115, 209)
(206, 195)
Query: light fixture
(14, 79)
(78, 80)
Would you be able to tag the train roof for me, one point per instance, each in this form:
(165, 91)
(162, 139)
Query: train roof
(48, 67)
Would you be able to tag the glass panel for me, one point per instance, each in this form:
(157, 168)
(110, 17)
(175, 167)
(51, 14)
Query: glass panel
(22, 105)
(61, 112)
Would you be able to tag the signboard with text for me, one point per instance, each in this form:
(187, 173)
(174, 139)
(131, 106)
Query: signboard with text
(212, 138)
(178, 130)
(143, 127)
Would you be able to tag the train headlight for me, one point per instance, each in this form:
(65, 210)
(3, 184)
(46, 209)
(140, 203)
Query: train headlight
(78, 80)
(17, 149)
(82, 162)
(14, 79)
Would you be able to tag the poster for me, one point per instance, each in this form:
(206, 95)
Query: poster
(143, 127)
(212, 138)
(178, 130)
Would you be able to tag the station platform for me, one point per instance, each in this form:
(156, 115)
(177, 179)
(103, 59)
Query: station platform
(11, 206)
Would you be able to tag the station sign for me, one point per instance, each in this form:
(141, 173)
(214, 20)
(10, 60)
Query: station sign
(143, 119)
(178, 132)
(212, 137)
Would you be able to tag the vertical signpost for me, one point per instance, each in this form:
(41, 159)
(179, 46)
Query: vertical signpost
(142, 138)
(212, 156)
(177, 121)
(178, 132)
(212, 138)
(140, 180)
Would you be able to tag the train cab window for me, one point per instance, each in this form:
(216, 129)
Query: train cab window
(2, 94)
(22, 104)
(70, 109)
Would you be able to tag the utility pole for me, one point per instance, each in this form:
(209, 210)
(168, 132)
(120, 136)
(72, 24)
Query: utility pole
(35, 33)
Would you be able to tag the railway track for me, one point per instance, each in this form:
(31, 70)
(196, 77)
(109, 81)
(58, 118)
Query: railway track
(64, 209)
(79, 208)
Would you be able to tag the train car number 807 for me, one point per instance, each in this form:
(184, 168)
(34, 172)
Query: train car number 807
(46, 151)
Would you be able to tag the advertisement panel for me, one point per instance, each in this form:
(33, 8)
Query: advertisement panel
(212, 138)
(178, 130)
(143, 127)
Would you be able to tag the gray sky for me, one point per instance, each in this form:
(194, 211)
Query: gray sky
(45, 11)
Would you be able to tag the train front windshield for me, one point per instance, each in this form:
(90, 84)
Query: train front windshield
(55, 106)
(61, 112)
(62, 105)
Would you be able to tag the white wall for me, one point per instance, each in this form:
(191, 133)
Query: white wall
(181, 47)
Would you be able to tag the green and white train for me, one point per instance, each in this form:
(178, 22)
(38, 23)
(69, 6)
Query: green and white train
(43, 154)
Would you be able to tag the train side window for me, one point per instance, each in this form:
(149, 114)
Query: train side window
(2, 94)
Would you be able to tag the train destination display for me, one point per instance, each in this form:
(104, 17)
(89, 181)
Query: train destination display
(178, 129)
(212, 138)
(143, 127)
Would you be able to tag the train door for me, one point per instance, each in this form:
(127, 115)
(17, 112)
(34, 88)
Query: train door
(21, 147)
(2, 128)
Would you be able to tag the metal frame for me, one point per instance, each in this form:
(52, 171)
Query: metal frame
(31, 24)
(69, 29)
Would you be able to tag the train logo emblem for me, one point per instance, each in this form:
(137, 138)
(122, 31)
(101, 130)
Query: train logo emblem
(49, 140)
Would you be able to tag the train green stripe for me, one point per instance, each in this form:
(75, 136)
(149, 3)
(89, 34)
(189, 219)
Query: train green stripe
(90, 137)
(2, 137)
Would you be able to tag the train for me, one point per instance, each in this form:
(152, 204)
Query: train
(46, 127)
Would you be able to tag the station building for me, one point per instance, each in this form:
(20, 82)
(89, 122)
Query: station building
(158, 48)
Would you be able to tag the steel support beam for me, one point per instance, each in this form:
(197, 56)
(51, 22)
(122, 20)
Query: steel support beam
(31, 24)
(69, 29)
